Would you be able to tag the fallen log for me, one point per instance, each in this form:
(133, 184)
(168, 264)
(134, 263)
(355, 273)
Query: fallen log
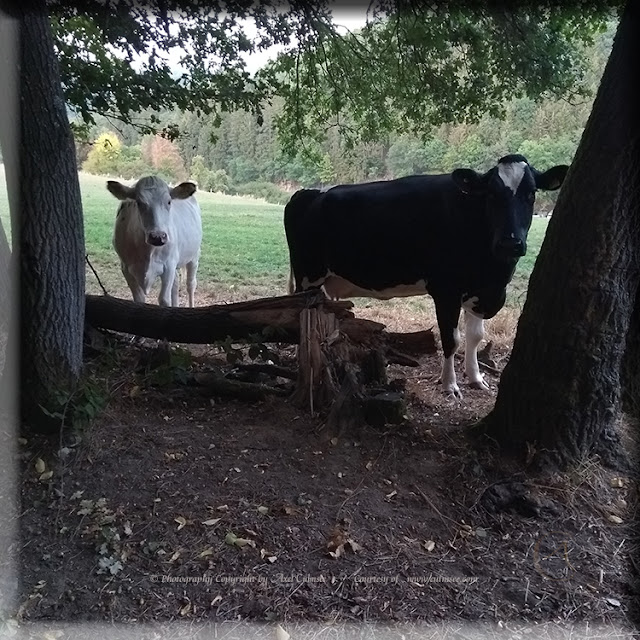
(274, 319)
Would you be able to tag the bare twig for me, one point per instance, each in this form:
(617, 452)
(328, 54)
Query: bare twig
(95, 273)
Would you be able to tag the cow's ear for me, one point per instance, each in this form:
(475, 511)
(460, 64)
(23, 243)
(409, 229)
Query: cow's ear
(121, 191)
(552, 178)
(183, 190)
(468, 180)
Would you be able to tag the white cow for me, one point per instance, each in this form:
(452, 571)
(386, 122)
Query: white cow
(158, 230)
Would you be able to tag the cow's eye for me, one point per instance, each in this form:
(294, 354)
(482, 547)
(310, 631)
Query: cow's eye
(169, 203)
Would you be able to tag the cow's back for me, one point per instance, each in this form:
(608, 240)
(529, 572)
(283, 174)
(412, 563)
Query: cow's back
(386, 233)
(186, 220)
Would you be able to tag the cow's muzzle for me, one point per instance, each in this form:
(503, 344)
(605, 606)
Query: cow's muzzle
(511, 248)
(157, 239)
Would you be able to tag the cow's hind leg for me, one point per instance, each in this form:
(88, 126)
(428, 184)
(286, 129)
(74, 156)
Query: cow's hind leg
(192, 269)
(474, 333)
(448, 313)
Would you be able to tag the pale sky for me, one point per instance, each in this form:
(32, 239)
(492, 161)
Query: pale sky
(345, 19)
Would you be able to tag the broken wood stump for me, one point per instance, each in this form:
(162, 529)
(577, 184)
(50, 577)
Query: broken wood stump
(341, 379)
(340, 357)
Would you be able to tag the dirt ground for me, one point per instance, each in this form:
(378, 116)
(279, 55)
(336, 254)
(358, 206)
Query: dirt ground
(177, 506)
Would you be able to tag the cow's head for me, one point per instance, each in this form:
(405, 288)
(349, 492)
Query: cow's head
(153, 197)
(509, 191)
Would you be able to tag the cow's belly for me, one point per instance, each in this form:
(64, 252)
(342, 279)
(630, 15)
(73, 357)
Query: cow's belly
(337, 287)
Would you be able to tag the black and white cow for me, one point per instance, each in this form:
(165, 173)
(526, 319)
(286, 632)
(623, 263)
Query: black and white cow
(455, 236)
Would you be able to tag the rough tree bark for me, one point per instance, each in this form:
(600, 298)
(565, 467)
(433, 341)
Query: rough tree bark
(51, 234)
(560, 391)
(631, 364)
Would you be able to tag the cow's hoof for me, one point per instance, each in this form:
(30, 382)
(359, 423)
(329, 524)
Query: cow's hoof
(453, 392)
(480, 384)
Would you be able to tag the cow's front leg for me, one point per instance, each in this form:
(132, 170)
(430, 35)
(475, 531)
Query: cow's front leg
(192, 268)
(448, 313)
(167, 279)
(137, 291)
(175, 294)
(474, 333)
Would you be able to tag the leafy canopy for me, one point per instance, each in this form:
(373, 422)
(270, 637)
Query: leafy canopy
(412, 66)
(114, 61)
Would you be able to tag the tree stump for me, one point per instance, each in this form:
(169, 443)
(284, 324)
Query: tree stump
(343, 380)
(316, 387)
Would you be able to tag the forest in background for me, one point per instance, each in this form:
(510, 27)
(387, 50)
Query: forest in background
(240, 156)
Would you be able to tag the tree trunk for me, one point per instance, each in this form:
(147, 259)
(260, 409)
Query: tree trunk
(9, 144)
(51, 239)
(560, 391)
(631, 365)
(5, 280)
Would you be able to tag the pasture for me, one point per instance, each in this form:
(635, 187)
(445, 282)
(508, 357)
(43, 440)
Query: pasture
(176, 505)
(244, 256)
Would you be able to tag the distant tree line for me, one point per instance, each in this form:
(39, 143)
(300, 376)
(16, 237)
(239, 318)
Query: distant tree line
(236, 154)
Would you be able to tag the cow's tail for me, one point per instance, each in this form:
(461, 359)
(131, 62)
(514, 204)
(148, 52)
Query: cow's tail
(296, 207)
(290, 286)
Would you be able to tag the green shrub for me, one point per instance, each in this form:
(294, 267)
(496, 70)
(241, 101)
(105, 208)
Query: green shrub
(266, 190)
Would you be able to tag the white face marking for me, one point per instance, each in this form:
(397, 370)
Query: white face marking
(511, 174)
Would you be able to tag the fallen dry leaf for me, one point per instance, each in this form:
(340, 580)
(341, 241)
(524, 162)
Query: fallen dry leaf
(615, 519)
(232, 539)
(40, 465)
(211, 522)
(45, 476)
(264, 554)
(355, 547)
(337, 552)
(181, 522)
(429, 545)
(337, 538)
(206, 552)
(185, 609)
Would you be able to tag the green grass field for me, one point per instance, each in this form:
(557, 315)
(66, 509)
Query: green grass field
(244, 251)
